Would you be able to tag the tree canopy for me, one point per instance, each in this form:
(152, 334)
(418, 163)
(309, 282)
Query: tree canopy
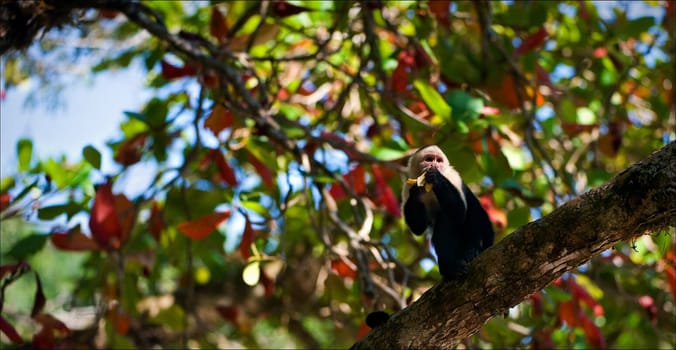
(275, 140)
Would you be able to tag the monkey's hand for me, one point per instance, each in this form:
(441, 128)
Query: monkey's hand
(433, 177)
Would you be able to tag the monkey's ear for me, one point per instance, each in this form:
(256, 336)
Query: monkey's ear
(377, 318)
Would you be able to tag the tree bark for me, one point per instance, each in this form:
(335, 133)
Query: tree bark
(639, 200)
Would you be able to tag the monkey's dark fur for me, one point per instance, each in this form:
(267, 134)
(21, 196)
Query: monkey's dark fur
(461, 229)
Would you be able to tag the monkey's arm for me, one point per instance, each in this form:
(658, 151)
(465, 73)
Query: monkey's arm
(478, 221)
(415, 212)
(451, 203)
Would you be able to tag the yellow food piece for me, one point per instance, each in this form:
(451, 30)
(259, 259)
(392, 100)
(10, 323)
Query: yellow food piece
(420, 181)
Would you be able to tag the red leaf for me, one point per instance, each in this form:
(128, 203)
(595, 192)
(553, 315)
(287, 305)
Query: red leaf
(103, 220)
(421, 58)
(13, 268)
(610, 142)
(156, 222)
(648, 304)
(592, 332)
(389, 199)
(74, 240)
(399, 79)
(131, 150)
(344, 268)
(9, 331)
(356, 178)
(582, 296)
(217, 26)
(121, 321)
(226, 172)
(440, 9)
(4, 201)
(536, 300)
(247, 240)
(229, 313)
(385, 195)
(363, 330)
(52, 323)
(39, 299)
(542, 75)
(670, 271)
(108, 14)
(203, 226)
(497, 216)
(268, 283)
(600, 52)
(44, 339)
(284, 9)
(170, 71)
(568, 313)
(532, 41)
(262, 170)
(504, 91)
(219, 119)
(573, 129)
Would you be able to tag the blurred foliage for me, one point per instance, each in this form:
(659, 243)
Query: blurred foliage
(272, 217)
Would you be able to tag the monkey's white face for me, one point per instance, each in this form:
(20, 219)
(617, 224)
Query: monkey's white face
(432, 158)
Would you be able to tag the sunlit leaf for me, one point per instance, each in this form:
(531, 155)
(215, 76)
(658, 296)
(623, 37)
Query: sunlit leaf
(252, 273)
(433, 99)
(7, 183)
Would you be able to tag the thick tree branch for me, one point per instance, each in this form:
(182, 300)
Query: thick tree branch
(639, 200)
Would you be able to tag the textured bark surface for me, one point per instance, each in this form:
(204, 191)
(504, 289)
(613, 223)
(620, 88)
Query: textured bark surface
(639, 200)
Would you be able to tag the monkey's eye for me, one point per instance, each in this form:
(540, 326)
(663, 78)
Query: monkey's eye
(433, 158)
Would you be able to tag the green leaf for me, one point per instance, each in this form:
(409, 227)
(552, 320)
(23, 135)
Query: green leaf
(433, 99)
(171, 317)
(256, 207)
(517, 157)
(92, 156)
(465, 107)
(24, 151)
(27, 246)
(557, 294)
(635, 27)
(316, 5)
(156, 113)
(51, 212)
(387, 154)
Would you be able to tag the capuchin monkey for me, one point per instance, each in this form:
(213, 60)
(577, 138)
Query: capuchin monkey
(435, 196)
